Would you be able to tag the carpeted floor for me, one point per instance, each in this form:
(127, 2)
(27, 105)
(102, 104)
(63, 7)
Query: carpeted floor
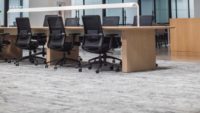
(173, 88)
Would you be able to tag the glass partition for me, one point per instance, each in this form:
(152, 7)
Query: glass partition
(95, 11)
(114, 12)
(15, 4)
(77, 13)
(130, 12)
(162, 11)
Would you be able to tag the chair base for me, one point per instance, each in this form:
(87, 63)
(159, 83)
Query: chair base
(102, 60)
(63, 61)
(33, 58)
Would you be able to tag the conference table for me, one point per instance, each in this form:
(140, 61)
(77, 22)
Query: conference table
(138, 51)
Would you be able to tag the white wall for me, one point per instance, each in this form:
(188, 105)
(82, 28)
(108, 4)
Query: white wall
(36, 19)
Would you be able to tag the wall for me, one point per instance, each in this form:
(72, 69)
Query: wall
(36, 19)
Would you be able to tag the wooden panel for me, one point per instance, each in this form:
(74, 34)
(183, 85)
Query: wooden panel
(55, 55)
(185, 56)
(138, 50)
(11, 51)
(185, 37)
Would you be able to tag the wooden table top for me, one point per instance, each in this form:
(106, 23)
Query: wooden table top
(105, 27)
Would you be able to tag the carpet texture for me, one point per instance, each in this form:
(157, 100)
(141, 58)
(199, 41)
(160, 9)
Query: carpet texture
(173, 88)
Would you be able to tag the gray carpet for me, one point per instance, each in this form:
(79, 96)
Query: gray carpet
(173, 88)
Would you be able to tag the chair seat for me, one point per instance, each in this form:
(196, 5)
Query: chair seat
(96, 49)
(66, 47)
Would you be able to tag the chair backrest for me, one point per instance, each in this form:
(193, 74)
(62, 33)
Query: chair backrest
(24, 34)
(92, 24)
(72, 22)
(45, 23)
(111, 21)
(93, 32)
(57, 32)
(145, 20)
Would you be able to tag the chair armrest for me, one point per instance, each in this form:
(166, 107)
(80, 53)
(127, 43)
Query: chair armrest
(93, 35)
(112, 35)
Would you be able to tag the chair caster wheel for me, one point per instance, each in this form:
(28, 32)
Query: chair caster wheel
(55, 68)
(97, 71)
(46, 66)
(80, 70)
(32, 61)
(118, 69)
(90, 67)
(36, 62)
(112, 68)
(156, 65)
(17, 64)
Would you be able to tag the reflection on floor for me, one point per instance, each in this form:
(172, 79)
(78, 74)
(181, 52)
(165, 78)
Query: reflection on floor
(165, 54)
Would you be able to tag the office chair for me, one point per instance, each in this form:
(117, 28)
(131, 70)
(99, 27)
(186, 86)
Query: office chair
(25, 41)
(45, 23)
(113, 21)
(73, 22)
(145, 20)
(42, 37)
(94, 41)
(58, 41)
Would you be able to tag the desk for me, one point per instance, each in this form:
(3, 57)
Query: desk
(138, 45)
(185, 39)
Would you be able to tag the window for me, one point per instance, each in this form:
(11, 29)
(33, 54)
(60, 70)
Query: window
(1, 12)
(14, 4)
(114, 12)
(130, 12)
(162, 11)
(77, 13)
(95, 11)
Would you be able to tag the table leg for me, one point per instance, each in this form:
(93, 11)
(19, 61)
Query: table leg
(138, 50)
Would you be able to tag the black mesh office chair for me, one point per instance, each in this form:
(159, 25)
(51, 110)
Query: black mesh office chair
(145, 20)
(94, 41)
(60, 42)
(45, 23)
(25, 41)
(73, 22)
(113, 21)
(42, 37)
